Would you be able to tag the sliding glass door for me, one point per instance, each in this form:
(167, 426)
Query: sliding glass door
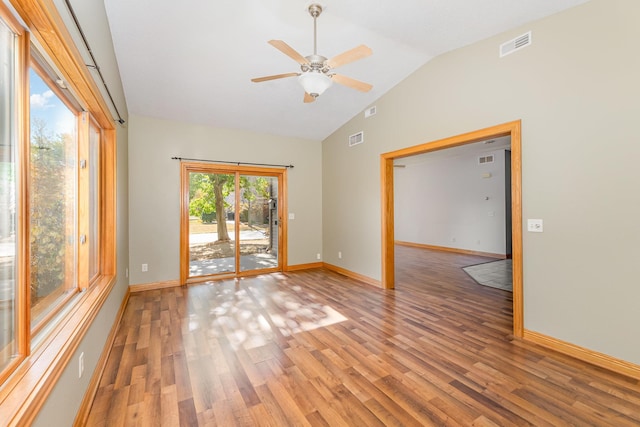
(258, 222)
(231, 221)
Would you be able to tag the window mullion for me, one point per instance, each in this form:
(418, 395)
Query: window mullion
(83, 201)
(23, 234)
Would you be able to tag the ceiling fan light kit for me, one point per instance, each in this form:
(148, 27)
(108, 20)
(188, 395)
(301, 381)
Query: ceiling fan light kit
(317, 74)
(315, 83)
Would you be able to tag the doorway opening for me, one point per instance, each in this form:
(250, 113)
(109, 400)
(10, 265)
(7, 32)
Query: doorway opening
(231, 222)
(511, 129)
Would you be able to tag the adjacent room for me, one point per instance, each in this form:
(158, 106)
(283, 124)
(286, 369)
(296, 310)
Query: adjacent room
(279, 213)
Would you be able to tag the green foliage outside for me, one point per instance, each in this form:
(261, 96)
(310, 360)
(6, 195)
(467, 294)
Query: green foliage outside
(48, 211)
(209, 193)
(207, 197)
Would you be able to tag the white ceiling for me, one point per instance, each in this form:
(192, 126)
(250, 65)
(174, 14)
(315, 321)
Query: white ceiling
(192, 60)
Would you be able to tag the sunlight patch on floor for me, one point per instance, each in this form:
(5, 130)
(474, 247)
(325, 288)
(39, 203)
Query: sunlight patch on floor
(306, 319)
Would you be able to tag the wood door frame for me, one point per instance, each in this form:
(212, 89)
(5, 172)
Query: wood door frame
(188, 167)
(512, 129)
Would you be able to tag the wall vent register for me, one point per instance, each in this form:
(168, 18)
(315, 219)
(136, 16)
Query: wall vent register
(356, 138)
(370, 112)
(485, 159)
(518, 43)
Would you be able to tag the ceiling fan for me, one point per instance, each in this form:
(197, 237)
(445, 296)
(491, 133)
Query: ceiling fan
(317, 71)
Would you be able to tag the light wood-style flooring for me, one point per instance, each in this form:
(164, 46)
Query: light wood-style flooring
(316, 348)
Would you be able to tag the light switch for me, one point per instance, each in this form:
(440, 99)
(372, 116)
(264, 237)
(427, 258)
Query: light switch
(292, 215)
(534, 225)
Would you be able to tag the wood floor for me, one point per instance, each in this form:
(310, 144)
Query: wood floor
(316, 348)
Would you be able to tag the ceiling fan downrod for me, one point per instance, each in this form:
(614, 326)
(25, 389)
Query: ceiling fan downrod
(315, 10)
(317, 63)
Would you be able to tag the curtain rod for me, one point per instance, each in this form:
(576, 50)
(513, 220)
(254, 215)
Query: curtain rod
(232, 163)
(93, 59)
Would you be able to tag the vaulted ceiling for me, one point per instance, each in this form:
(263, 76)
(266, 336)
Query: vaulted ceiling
(193, 60)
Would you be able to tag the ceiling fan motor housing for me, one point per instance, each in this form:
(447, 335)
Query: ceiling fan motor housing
(316, 63)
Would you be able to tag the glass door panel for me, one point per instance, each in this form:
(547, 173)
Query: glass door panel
(211, 224)
(258, 221)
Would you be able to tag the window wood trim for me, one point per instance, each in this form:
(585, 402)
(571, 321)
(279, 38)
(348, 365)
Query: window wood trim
(94, 126)
(26, 390)
(46, 77)
(47, 26)
(83, 202)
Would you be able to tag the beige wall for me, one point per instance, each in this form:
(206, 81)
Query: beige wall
(154, 188)
(576, 89)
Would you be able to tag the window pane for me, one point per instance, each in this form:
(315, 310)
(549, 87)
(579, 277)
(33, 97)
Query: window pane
(212, 247)
(94, 202)
(258, 222)
(8, 249)
(53, 199)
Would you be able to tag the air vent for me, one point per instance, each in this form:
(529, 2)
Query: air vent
(515, 44)
(485, 159)
(370, 112)
(356, 138)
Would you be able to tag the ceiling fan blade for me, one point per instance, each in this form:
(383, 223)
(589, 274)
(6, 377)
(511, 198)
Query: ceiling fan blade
(354, 54)
(352, 83)
(289, 51)
(308, 98)
(275, 76)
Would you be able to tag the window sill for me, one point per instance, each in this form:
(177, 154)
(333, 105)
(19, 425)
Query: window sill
(23, 394)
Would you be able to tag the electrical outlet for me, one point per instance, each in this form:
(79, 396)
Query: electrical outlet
(81, 365)
(126, 272)
(534, 225)
(318, 256)
(339, 255)
(145, 267)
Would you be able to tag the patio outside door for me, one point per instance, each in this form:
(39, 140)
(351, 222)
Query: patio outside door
(230, 221)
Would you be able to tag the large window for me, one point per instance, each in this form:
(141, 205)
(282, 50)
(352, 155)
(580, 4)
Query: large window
(8, 192)
(57, 198)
